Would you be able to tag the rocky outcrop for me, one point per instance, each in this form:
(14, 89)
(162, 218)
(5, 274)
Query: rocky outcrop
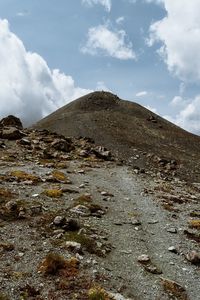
(11, 121)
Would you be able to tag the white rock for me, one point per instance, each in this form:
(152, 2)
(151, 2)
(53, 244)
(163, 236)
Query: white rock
(143, 258)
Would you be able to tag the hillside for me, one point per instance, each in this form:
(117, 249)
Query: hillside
(76, 224)
(134, 134)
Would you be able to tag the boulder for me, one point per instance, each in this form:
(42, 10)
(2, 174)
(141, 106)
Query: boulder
(62, 145)
(11, 133)
(11, 121)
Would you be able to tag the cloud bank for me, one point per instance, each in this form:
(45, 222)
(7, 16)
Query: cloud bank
(106, 3)
(179, 35)
(29, 88)
(189, 114)
(102, 40)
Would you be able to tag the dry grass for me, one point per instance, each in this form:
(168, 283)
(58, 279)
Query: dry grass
(55, 264)
(19, 175)
(194, 224)
(98, 293)
(53, 193)
(174, 289)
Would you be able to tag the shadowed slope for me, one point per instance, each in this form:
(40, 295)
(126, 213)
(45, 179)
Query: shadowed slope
(127, 129)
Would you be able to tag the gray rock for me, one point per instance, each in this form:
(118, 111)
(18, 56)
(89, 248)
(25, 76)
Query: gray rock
(73, 246)
(59, 221)
(11, 133)
(143, 258)
(81, 210)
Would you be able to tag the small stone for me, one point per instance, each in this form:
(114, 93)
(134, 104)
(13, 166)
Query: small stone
(59, 220)
(172, 230)
(172, 249)
(73, 246)
(104, 193)
(118, 223)
(135, 221)
(72, 225)
(81, 171)
(24, 141)
(35, 195)
(152, 269)
(143, 258)
(126, 251)
(193, 257)
(83, 153)
(153, 222)
(81, 186)
(81, 210)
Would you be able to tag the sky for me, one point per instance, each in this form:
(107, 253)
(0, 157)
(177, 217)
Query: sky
(146, 51)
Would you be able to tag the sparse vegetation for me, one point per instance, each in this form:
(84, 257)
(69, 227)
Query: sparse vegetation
(98, 293)
(23, 176)
(86, 241)
(55, 264)
(174, 289)
(58, 176)
(194, 224)
(53, 193)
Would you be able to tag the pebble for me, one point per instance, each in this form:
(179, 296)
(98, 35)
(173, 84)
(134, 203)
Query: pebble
(59, 220)
(35, 195)
(73, 246)
(81, 186)
(126, 251)
(81, 172)
(153, 222)
(143, 258)
(172, 230)
(118, 223)
(135, 221)
(81, 210)
(173, 249)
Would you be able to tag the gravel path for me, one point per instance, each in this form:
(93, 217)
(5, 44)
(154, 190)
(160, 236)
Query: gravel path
(151, 237)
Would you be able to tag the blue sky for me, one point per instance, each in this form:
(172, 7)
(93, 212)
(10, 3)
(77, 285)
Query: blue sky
(147, 51)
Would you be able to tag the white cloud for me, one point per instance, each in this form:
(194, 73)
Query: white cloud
(154, 110)
(155, 1)
(179, 33)
(106, 3)
(189, 113)
(22, 14)
(101, 86)
(29, 88)
(102, 40)
(120, 20)
(177, 101)
(141, 94)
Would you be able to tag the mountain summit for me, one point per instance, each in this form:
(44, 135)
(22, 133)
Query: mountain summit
(133, 133)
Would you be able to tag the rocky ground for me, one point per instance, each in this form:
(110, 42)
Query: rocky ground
(77, 224)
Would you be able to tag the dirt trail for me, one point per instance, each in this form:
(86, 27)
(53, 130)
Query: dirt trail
(151, 237)
(134, 197)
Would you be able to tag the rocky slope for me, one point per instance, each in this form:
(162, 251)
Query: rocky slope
(76, 223)
(134, 134)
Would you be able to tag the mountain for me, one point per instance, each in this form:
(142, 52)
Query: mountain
(77, 224)
(133, 133)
